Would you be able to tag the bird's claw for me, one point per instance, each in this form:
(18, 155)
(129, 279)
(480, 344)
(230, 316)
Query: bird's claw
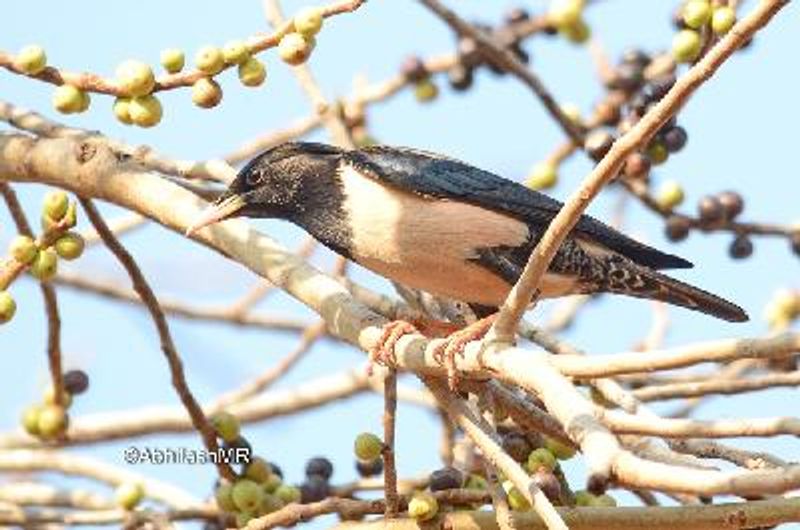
(447, 353)
(453, 346)
(382, 353)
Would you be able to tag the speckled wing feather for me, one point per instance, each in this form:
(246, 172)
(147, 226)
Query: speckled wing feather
(436, 176)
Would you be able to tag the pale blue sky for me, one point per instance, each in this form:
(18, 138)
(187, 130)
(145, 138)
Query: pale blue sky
(742, 133)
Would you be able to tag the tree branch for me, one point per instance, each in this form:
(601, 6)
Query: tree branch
(141, 286)
(212, 170)
(48, 295)
(755, 514)
(293, 514)
(389, 425)
(96, 83)
(525, 291)
(59, 161)
(173, 307)
(507, 60)
(624, 423)
(24, 460)
(717, 386)
(774, 347)
(131, 424)
(481, 434)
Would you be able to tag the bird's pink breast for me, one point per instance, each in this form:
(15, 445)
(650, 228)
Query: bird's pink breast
(427, 243)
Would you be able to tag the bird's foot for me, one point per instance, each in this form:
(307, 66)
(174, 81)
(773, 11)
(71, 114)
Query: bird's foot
(453, 346)
(383, 351)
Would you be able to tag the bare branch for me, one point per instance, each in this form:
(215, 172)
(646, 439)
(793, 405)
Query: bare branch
(481, 434)
(48, 295)
(388, 453)
(755, 514)
(717, 386)
(293, 514)
(131, 424)
(525, 290)
(36, 494)
(263, 381)
(23, 460)
(507, 60)
(624, 423)
(782, 345)
(248, 150)
(226, 314)
(28, 120)
(143, 289)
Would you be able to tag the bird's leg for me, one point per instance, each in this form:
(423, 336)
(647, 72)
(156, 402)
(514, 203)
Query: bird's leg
(454, 344)
(383, 351)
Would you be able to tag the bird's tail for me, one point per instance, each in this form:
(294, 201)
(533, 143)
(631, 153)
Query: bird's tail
(634, 280)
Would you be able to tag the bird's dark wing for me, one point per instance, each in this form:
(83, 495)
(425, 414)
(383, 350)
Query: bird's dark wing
(432, 175)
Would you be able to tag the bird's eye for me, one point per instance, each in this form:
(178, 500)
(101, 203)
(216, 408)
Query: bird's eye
(255, 178)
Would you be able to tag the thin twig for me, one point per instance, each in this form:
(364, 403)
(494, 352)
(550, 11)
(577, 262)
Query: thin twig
(448, 438)
(717, 386)
(525, 291)
(624, 423)
(130, 424)
(142, 518)
(95, 83)
(293, 514)
(48, 295)
(731, 371)
(404, 486)
(120, 226)
(740, 457)
(777, 346)
(54, 342)
(260, 291)
(503, 514)
(26, 461)
(389, 424)
(28, 120)
(226, 314)
(641, 192)
(505, 518)
(38, 494)
(563, 315)
(611, 390)
(527, 415)
(481, 434)
(269, 139)
(505, 59)
(141, 286)
(755, 514)
(336, 127)
(264, 380)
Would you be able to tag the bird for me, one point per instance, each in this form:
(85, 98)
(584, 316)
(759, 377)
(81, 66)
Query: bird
(443, 226)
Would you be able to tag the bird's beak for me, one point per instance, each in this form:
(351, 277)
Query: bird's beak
(222, 209)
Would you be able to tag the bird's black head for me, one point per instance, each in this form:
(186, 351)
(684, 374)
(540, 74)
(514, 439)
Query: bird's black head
(274, 184)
